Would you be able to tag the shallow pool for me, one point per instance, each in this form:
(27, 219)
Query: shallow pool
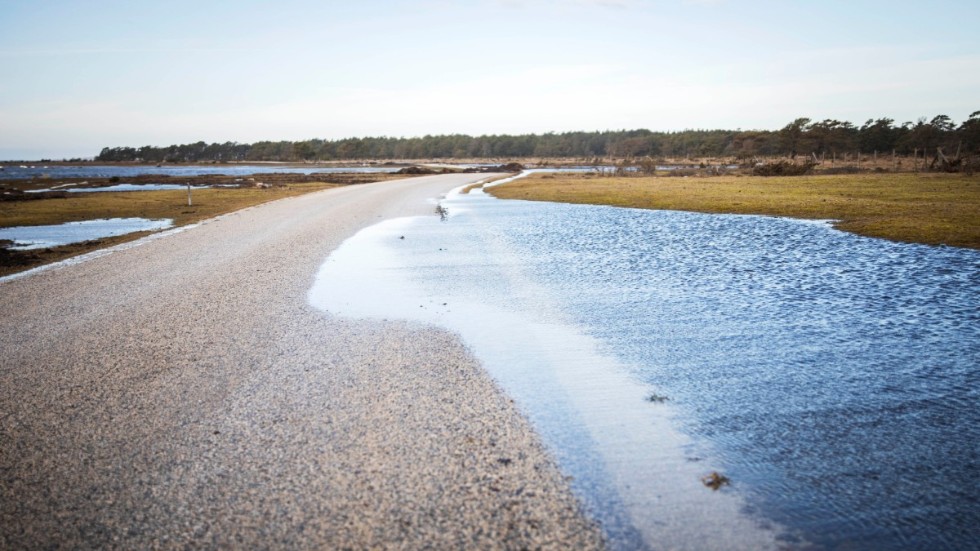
(14, 172)
(41, 237)
(117, 187)
(833, 378)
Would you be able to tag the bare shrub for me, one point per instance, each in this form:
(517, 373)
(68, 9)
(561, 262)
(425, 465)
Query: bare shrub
(783, 168)
(683, 172)
(843, 170)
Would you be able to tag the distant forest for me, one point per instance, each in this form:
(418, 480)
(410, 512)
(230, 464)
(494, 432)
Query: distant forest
(800, 137)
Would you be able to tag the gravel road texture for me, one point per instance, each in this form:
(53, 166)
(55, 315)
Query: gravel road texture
(182, 393)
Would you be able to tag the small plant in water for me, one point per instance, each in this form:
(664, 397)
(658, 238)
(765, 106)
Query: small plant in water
(656, 398)
(715, 480)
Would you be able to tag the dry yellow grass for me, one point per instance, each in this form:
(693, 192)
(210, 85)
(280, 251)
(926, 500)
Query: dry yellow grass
(922, 208)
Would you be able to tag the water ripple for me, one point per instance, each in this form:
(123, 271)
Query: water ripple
(837, 374)
(834, 378)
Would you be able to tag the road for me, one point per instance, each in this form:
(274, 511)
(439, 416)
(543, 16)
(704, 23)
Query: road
(182, 393)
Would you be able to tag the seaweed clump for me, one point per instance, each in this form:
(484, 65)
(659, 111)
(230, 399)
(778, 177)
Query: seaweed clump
(715, 480)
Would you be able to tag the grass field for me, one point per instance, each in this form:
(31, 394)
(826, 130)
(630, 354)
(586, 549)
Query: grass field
(920, 208)
(207, 203)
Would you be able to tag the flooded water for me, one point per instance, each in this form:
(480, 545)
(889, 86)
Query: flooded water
(833, 379)
(16, 172)
(116, 188)
(40, 237)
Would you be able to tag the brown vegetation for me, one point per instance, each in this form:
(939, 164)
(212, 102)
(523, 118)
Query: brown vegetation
(783, 168)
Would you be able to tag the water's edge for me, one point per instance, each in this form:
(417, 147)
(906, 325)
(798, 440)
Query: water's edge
(832, 377)
(636, 473)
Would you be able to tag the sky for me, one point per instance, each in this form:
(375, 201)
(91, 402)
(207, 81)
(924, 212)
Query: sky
(77, 76)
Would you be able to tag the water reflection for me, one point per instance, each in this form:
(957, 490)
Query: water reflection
(40, 237)
(833, 372)
(12, 172)
(116, 188)
(833, 378)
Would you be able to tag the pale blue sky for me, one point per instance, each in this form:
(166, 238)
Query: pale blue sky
(76, 76)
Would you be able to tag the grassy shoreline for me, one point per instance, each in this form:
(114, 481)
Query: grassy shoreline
(933, 209)
(207, 203)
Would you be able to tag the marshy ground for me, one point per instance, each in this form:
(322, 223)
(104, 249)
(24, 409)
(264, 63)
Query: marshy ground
(930, 208)
(22, 208)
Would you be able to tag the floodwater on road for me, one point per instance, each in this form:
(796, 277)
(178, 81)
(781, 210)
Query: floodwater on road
(40, 237)
(832, 378)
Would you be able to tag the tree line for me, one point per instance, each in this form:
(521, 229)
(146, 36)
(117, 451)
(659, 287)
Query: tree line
(803, 136)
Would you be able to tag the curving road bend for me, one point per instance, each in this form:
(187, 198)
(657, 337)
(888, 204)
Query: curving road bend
(182, 393)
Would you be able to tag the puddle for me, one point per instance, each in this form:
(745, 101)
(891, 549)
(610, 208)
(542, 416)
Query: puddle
(830, 381)
(117, 187)
(41, 237)
(12, 172)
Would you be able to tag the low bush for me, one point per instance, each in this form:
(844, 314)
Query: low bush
(842, 170)
(783, 168)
